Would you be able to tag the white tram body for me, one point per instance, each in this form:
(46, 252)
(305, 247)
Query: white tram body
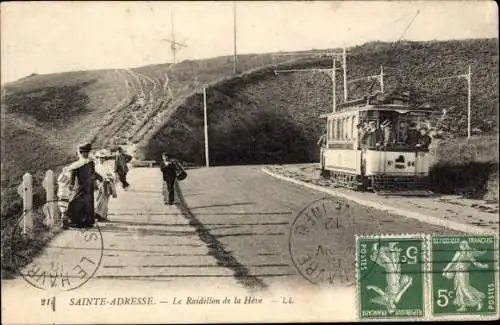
(396, 167)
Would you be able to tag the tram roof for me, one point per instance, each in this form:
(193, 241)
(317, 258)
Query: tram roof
(401, 109)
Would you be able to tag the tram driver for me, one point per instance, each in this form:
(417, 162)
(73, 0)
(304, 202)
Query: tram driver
(413, 135)
(387, 133)
(372, 136)
(403, 132)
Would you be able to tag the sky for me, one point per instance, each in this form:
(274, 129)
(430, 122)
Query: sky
(48, 37)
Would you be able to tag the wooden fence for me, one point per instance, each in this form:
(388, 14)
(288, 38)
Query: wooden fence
(50, 209)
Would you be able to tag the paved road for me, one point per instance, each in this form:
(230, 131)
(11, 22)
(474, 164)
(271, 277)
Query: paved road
(249, 214)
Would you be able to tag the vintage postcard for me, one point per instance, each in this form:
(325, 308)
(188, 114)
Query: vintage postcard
(249, 161)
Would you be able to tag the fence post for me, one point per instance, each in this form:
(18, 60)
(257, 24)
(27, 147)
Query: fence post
(50, 207)
(25, 190)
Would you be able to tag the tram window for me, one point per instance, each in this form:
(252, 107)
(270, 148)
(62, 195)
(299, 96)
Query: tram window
(353, 127)
(343, 129)
(348, 128)
(330, 130)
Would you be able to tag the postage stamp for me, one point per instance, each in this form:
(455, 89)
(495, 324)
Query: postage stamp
(321, 242)
(390, 273)
(68, 261)
(464, 271)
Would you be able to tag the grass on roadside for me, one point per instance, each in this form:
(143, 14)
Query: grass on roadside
(468, 167)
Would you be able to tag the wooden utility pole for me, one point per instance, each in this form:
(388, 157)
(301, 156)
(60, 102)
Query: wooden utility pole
(344, 66)
(379, 77)
(207, 163)
(334, 85)
(469, 86)
(467, 77)
(174, 45)
(320, 54)
(331, 72)
(235, 57)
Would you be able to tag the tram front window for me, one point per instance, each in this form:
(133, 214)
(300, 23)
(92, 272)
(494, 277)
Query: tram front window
(391, 130)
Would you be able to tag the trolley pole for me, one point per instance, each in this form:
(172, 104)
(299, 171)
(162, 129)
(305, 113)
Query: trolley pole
(207, 163)
(468, 77)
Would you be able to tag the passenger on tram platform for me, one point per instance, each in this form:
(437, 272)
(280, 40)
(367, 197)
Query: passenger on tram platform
(362, 129)
(413, 135)
(424, 139)
(403, 132)
(372, 137)
(387, 133)
(322, 140)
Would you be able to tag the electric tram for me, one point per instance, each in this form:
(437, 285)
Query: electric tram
(398, 166)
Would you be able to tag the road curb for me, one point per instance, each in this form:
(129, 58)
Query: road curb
(466, 228)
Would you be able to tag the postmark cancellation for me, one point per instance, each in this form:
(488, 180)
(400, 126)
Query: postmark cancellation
(68, 262)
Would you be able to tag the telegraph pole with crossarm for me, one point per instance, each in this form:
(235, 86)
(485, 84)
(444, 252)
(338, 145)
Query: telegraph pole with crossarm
(467, 77)
(174, 45)
(331, 72)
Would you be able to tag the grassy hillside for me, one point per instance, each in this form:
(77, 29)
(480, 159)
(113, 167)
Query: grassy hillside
(45, 117)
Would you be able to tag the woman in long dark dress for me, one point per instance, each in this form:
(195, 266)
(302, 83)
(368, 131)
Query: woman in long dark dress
(83, 176)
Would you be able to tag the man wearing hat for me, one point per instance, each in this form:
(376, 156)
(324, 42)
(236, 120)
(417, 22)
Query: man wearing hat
(413, 135)
(424, 140)
(168, 168)
(362, 129)
(372, 136)
(121, 168)
(322, 140)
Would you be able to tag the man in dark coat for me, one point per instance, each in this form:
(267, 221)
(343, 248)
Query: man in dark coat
(168, 168)
(121, 168)
(413, 135)
(322, 140)
(424, 139)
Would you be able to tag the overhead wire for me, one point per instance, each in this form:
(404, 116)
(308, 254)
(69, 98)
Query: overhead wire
(395, 44)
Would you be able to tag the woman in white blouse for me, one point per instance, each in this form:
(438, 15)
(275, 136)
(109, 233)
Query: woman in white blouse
(106, 188)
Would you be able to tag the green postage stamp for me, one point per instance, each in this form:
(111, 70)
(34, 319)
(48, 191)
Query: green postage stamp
(464, 272)
(390, 276)
(427, 276)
